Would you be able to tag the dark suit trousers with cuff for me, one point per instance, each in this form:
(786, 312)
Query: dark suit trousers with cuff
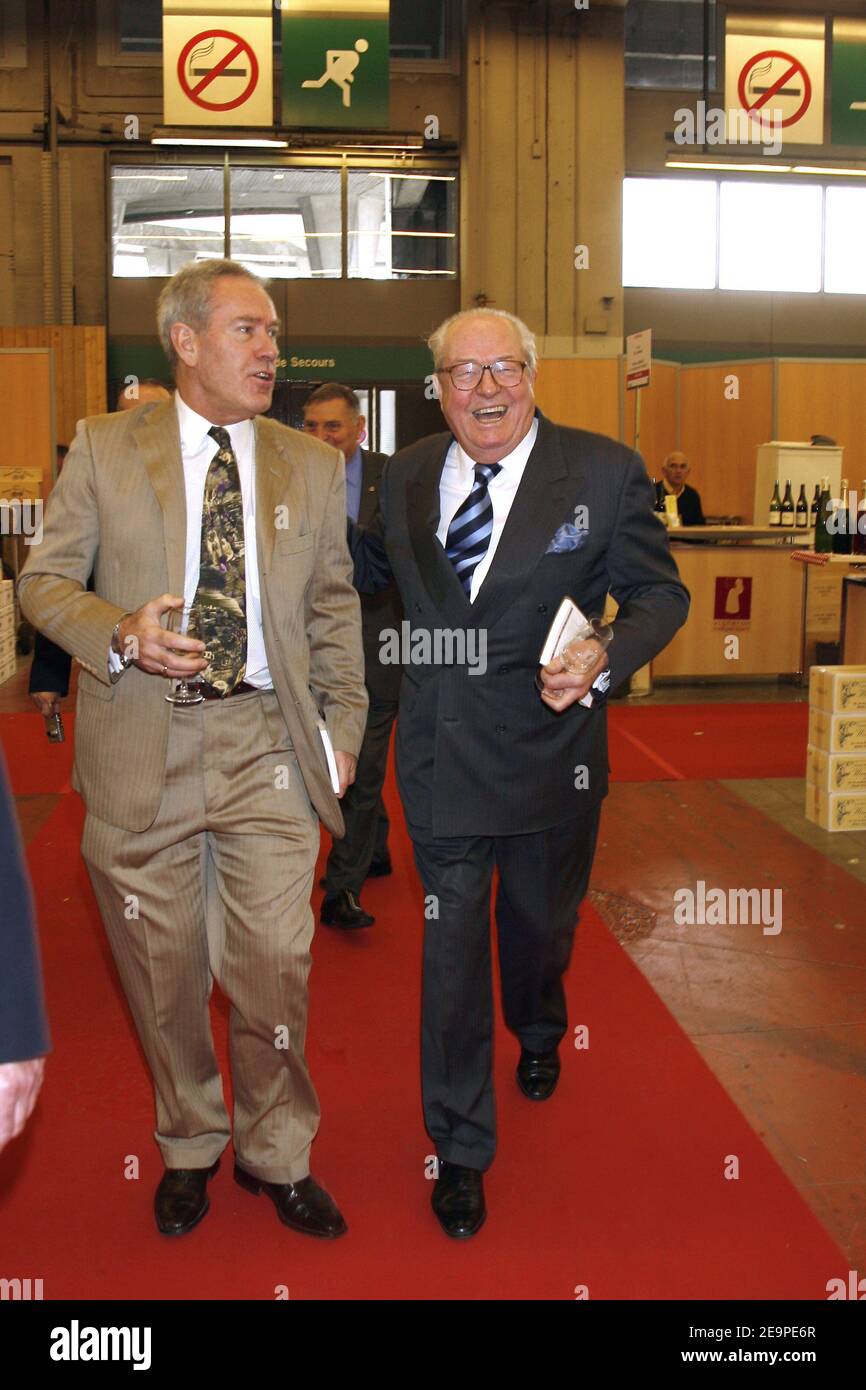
(543, 878)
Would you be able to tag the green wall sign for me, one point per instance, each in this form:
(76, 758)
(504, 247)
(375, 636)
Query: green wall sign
(356, 366)
(848, 82)
(335, 64)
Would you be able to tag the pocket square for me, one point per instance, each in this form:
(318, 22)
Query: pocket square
(568, 537)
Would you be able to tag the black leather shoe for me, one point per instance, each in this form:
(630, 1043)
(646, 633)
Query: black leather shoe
(344, 910)
(380, 866)
(538, 1073)
(181, 1199)
(458, 1200)
(302, 1205)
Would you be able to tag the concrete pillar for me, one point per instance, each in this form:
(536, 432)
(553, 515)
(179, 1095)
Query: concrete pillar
(542, 172)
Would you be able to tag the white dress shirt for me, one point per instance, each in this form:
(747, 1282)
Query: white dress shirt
(197, 449)
(458, 480)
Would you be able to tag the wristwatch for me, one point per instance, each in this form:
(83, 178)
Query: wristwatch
(124, 660)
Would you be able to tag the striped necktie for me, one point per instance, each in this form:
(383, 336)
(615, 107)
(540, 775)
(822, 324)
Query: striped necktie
(472, 526)
(221, 593)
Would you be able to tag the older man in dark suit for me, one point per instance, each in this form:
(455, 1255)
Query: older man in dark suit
(486, 529)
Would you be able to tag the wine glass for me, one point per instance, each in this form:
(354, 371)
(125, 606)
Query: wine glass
(187, 622)
(582, 662)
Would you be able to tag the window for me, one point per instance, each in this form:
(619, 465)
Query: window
(286, 223)
(781, 237)
(669, 233)
(770, 237)
(664, 44)
(402, 226)
(844, 239)
(140, 23)
(163, 217)
(418, 31)
(13, 34)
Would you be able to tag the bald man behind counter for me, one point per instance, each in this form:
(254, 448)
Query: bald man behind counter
(675, 470)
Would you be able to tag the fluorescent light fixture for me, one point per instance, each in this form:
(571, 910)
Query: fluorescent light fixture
(222, 139)
(822, 170)
(723, 165)
(160, 178)
(427, 178)
(825, 169)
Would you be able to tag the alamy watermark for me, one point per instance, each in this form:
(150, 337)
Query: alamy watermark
(717, 907)
(438, 646)
(714, 126)
(22, 517)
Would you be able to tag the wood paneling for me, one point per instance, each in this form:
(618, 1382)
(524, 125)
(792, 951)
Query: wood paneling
(580, 391)
(765, 646)
(79, 369)
(826, 398)
(25, 379)
(720, 435)
(658, 415)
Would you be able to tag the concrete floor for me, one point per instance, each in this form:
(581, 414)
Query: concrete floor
(778, 1016)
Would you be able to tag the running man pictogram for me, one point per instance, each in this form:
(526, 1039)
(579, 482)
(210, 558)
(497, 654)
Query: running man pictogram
(340, 65)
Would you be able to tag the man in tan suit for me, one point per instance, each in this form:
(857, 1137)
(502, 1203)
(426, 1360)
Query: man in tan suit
(202, 820)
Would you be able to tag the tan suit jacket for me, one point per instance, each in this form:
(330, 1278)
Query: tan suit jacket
(119, 510)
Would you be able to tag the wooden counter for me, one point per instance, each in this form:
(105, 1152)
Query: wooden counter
(854, 620)
(738, 535)
(746, 617)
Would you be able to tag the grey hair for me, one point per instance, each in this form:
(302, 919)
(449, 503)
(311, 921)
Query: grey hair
(187, 297)
(436, 341)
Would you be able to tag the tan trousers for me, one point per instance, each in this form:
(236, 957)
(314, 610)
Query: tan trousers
(219, 886)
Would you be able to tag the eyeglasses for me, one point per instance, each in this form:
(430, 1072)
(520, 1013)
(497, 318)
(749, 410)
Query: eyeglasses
(507, 371)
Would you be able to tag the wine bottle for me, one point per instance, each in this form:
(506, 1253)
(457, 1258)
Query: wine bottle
(858, 540)
(788, 506)
(841, 524)
(823, 537)
(802, 509)
(775, 507)
(813, 510)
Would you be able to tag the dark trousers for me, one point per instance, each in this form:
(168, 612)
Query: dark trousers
(542, 879)
(363, 809)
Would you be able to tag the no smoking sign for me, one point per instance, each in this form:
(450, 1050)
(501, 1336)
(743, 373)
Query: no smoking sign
(217, 76)
(778, 83)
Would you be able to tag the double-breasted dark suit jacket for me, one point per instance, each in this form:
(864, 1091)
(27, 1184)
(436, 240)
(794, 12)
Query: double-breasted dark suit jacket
(480, 754)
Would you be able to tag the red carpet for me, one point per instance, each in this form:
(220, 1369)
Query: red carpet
(648, 743)
(34, 764)
(660, 743)
(617, 1183)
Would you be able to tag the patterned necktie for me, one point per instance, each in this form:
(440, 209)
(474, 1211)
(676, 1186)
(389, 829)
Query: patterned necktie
(221, 593)
(472, 526)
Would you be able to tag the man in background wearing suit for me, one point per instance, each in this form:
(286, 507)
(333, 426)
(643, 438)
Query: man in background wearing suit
(486, 529)
(332, 413)
(207, 814)
(51, 665)
(23, 1029)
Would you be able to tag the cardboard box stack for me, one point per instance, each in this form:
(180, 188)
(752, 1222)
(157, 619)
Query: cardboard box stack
(836, 756)
(7, 631)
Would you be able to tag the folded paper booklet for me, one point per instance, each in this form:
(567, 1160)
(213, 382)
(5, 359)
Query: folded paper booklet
(566, 626)
(331, 760)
